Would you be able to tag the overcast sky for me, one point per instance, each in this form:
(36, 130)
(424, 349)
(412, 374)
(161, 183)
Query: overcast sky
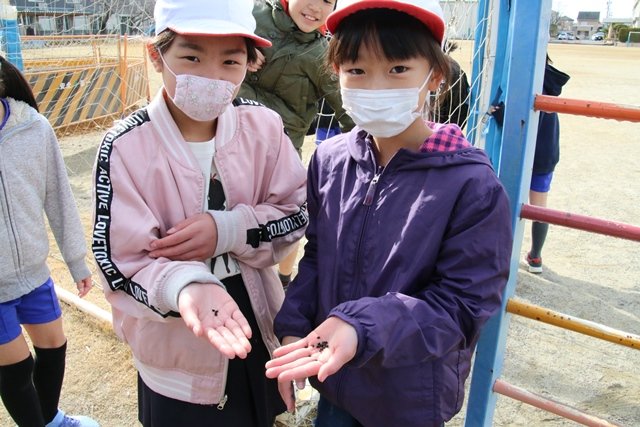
(570, 8)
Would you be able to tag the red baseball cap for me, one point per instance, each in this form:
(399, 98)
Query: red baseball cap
(428, 12)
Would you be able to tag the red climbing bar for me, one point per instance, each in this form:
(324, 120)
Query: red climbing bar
(567, 412)
(581, 222)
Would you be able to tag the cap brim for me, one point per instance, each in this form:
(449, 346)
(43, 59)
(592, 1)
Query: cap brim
(434, 22)
(216, 28)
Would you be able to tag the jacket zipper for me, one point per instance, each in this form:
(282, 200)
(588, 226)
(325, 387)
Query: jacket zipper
(14, 232)
(223, 401)
(223, 396)
(368, 201)
(371, 190)
(10, 223)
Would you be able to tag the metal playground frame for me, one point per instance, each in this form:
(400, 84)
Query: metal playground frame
(511, 148)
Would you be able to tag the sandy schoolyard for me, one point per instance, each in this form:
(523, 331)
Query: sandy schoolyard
(586, 275)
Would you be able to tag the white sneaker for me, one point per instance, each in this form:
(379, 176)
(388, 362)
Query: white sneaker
(62, 420)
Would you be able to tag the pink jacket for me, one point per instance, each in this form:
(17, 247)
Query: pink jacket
(145, 181)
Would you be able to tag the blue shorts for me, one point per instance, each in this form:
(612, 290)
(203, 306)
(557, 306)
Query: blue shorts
(38, 306)
(541, 182)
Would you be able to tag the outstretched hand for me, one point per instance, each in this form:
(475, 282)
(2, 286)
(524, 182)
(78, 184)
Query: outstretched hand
(209, 311)
(194, 239)
(323, 352)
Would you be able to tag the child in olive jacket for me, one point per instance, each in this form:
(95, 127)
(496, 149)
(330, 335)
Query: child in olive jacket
(292, 77)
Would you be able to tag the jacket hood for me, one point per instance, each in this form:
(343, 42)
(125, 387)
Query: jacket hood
(554, 80)
(21, 113)
(360, 146)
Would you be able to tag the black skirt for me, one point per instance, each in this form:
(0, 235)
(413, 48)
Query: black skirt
(252, 399)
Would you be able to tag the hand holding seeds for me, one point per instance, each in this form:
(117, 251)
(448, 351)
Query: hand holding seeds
(323, 352)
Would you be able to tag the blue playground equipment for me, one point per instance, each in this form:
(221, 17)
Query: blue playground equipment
(9, 35)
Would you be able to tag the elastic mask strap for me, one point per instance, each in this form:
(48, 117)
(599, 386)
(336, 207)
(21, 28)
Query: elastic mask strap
(426, 108)
(426, 80)
(165, 64)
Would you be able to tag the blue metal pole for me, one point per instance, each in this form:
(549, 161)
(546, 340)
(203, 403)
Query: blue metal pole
(525, 58)
(494, 135)
(478, 63)
(10, 36)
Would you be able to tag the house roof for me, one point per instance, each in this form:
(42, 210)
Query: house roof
(589, 16)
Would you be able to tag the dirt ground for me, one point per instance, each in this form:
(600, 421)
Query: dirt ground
(586, 275)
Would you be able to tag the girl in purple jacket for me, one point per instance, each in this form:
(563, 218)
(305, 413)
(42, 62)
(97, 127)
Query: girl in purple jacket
(409, 236)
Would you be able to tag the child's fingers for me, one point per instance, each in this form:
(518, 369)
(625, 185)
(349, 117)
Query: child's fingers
(182, 224)
(219, 342)
(241, 345)
(332, 361)
(288, 395)
(290, 357)
(281, 351)
(329, 368)
(170, 240)
(84, 286)
(238, 332)
(178, 252)
(308, 368)
(242, 322)
(191, 319)
(293, 370)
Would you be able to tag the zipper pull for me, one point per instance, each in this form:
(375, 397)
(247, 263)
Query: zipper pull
(222, 402)
(371, 191)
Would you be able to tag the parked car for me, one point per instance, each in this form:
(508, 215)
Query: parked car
(598, 36)
(566, 35)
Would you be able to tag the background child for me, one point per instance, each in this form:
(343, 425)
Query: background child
(192, 167)
(409, 236)
(452, 105)
(289, 76)
(546, 157)
(33, 180)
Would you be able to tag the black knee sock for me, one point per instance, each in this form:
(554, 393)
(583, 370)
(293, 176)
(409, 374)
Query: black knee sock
(538, 236)
(48, 374)
(19, 395)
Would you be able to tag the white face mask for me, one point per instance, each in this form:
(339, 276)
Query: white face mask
(201, 98)
(383, 112)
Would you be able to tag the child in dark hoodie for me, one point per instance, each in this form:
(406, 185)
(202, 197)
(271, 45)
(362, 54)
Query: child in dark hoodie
(545, 159)
(409, 237)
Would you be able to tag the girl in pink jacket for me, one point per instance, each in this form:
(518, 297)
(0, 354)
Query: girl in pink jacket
(198, 171)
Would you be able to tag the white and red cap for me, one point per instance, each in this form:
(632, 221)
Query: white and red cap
(208, 18)
(428, 12)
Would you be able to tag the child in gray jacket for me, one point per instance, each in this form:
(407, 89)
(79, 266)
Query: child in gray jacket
(33, 179)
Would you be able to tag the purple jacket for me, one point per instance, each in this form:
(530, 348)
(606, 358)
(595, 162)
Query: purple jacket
(415, 259)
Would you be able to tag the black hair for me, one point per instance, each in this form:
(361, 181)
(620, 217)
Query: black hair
(14, 85)
(450, 47)
(163, 41)
(389, 33)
